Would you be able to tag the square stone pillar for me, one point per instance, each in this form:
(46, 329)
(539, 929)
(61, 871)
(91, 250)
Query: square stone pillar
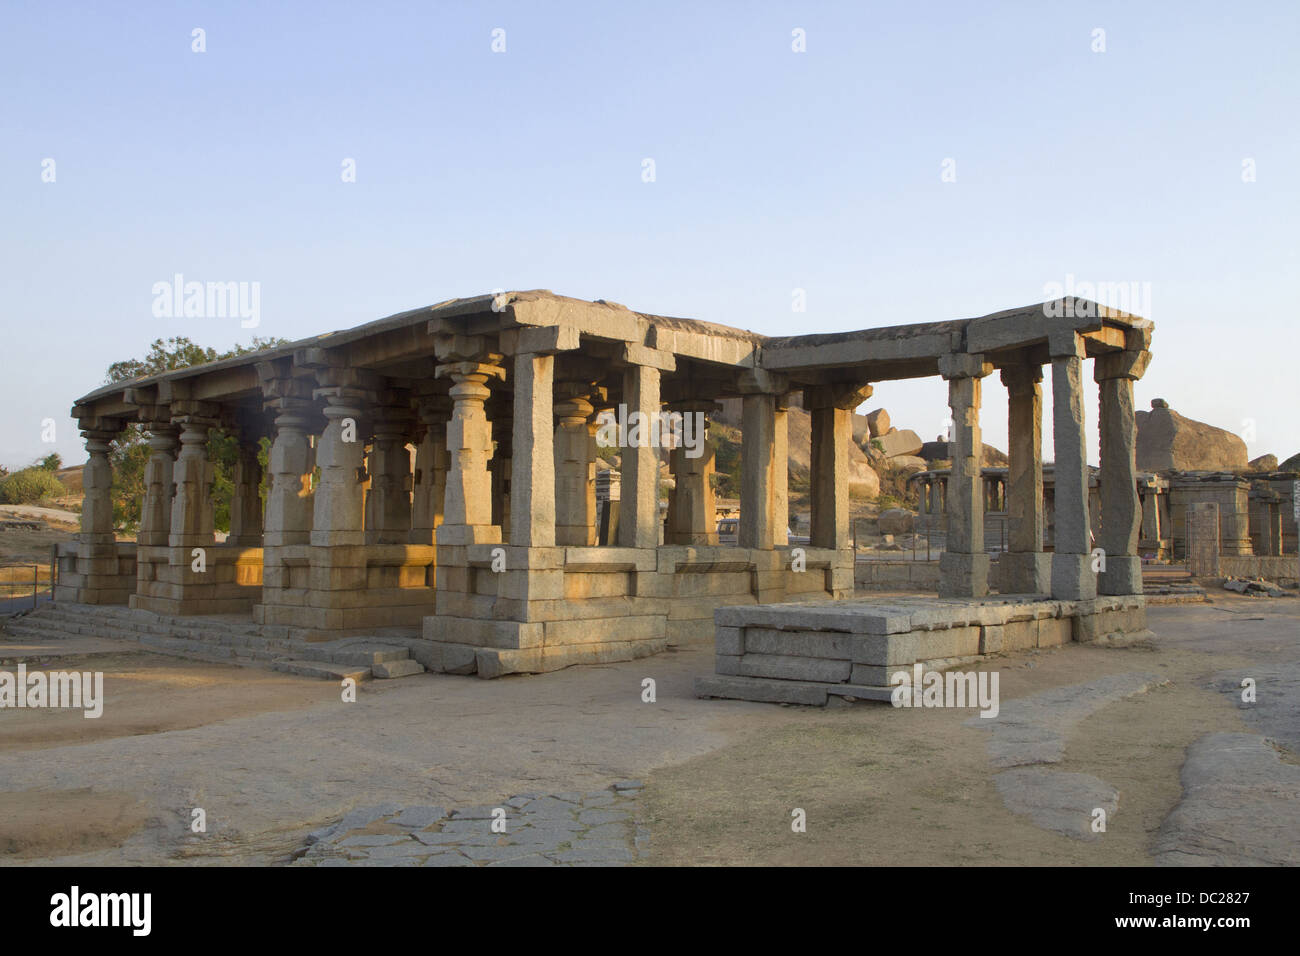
(638, 520)
(429, 484)
(1072, 576)
(831, 410)
(575, 463)
(500, 412)
(692, 508)
(338, 506)
(964, 566)
(1024, 568)
(388, 503)
(191, 520)
(246, 501)
(156, 509)
(532, 472)
(467, 507)
(757, 464)
(780, 473)
(1121, 510)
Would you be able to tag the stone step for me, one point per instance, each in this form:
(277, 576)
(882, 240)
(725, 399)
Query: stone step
(321, 669)
(763, 689)
(358, 654)
(387, 670)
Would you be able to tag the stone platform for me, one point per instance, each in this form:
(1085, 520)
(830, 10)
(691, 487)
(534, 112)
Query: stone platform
(804, 654)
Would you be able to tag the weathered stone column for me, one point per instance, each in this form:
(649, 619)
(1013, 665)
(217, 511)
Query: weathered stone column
(467, 506)
(638, 521)
(500, 412)
(1024, 568)
(780, 474)
(246, 502)
(1121, 512)
(289, 498)
(575, 463)
(191, 521)
(388, 505)
(532, 471)
(429, 485)
(964, 566)
(1072, 575)
(831, 410)
(156, 509)
(338, 506)
(97, 482)
(692, 507)
(758, 457)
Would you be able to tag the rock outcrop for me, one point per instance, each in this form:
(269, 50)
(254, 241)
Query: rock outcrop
(1166, 441)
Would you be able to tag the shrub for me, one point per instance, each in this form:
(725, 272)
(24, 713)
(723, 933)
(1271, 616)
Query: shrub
(30, 485)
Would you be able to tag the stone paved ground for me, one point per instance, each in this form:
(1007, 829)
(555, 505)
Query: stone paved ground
(595, 828)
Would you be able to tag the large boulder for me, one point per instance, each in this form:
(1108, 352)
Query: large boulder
(1291, 464)
(1264, 463)
(878, 422)
(1166, 441)
(863, 480)
(895, 443)
(895, 521)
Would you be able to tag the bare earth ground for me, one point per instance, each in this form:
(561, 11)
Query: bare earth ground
(270, 757)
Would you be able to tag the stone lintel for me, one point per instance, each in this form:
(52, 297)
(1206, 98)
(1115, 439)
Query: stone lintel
(635, 354)
(544, 339)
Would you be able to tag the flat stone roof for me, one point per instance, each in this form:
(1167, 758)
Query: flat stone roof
(897, 351)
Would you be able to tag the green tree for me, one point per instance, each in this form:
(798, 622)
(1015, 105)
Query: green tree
(52, 462)
(130, 450)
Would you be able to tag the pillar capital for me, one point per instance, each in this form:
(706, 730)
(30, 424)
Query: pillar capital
(1064, 344)
(845, 395)
(757, 381)
(964, 365)
(1019, 379)
(1129, 364)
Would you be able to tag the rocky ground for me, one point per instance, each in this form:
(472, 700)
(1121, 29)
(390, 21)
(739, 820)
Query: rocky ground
(1157, 736)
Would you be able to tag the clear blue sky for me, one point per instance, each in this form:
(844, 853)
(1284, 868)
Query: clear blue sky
(775, 170)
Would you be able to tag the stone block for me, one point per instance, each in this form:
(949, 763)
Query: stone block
(794, 668)
(830, 645)
(726, 664)
(767, 691)
(729, 640)
(1072, 577)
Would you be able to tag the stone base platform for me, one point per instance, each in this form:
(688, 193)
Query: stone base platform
(804, 654)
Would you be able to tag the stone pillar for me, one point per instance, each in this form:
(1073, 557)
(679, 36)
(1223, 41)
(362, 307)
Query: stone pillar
(388, 505)
(289, 497)
(156, 510)
(964, 566)
(1024, 568)
(338, 512)
(500, 413)
(467, 506)
(191, 521)
(692, 510)
(1072, 575)
(246, 503)
(780, 474)
(757, 464)
(97, 483)
(1121, 512)
(575, 463)
(429, 485)
(831, 411)
(638, 520)
(532, 473)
